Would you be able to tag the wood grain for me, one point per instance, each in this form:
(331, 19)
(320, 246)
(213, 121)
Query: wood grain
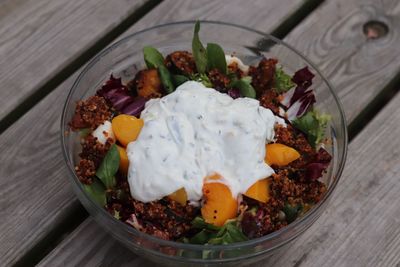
(359, 219)
(34, 192)
(332, 37)
(94, 255)
(264, 15)
(40, 37)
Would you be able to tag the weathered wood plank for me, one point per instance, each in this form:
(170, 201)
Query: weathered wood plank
(88, 255)
(37, 39)
(262, 15)
(41, 37)
(350, 229)
(332, 37)
(34, 194)
(36, 169)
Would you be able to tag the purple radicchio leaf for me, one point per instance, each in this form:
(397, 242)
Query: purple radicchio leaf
(303, 77)
(234, 93)
(301, 106)
(300, 99)
(121, 98)
(251, 224)
(287, 97)
(135, 107)
(118, 97)
(314, 170)
(298, 93)
(112, 83)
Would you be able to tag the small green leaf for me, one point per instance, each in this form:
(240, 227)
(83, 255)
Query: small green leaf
(202, 237)
(199, 223)
(227, 238)
(236, 233)
(166, 79)
(244, 86)
(109, 167)
(313, 125)
(211, 234)
(84, 132)
(202, 78)
(216, 241)
(292, 212)
(282, 81)
(216, 58)
(155, 60)
(97, 192)
(199, 52)
(232, 76)
(179, 79)
(221, 231)
(228, 234)
(152, 57)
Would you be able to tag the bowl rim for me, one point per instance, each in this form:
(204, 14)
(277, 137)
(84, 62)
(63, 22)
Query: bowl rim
(179, 245)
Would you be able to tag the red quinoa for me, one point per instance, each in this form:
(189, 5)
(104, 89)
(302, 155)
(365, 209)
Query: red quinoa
(219, 80)
(263, 75)
(181, 60)
(90, 113)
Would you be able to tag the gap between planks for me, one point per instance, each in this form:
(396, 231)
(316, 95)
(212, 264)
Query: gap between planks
(375, 106)
(77, 212)
(72, 67)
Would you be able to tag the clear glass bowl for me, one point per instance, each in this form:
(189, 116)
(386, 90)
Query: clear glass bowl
(125, 58)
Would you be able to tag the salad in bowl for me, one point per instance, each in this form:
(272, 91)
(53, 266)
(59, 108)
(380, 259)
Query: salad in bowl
(201, 147)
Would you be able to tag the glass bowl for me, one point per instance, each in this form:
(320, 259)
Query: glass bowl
(125, 58)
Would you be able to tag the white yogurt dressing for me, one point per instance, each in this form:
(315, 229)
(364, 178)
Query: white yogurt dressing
(195, 132)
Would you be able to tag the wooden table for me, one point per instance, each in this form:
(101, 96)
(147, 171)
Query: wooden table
(44, 44)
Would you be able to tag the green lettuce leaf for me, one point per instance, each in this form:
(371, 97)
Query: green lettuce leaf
(109, 167)
(216, 58)
(244, 86)
(282, 82)
(155, 60)
(202, 78)
(229, 233)
(179, 79)
(292, 212)
(166, 79)
(152, 57)
(84, 132)
(199, 52)
(313, 125)
(97, 192)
